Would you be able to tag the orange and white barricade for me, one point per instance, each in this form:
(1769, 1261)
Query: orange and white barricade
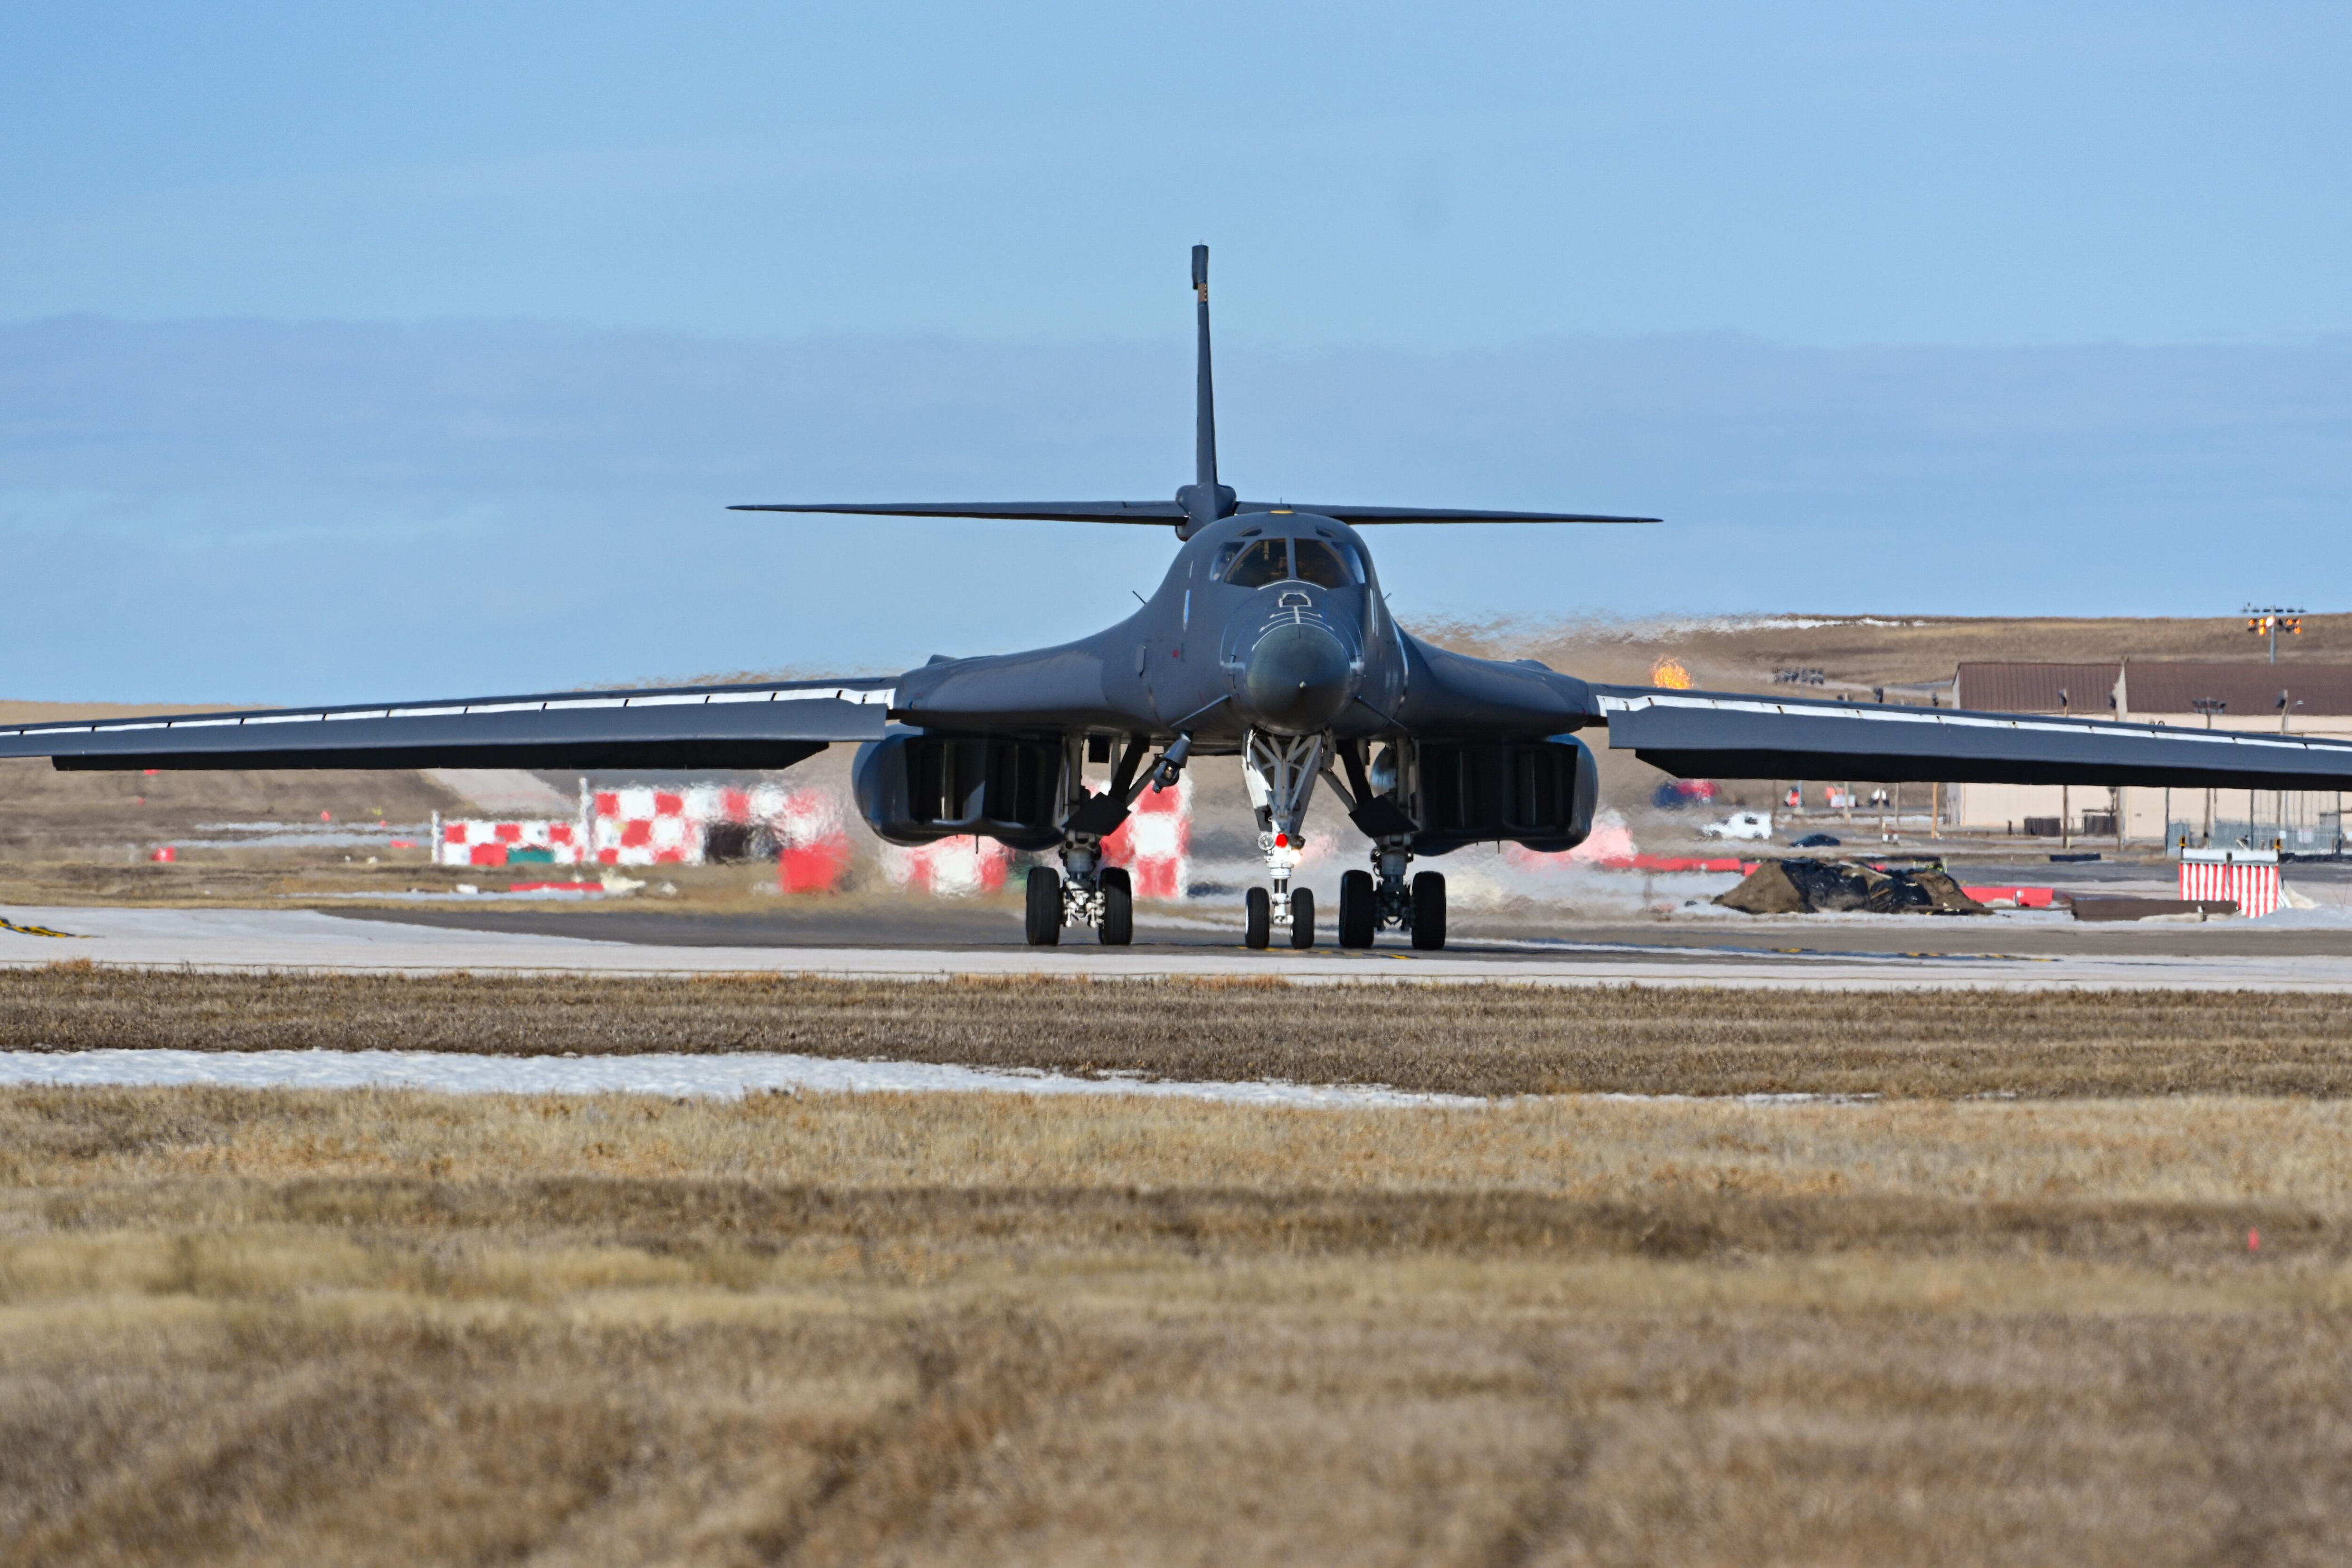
(2248, 878)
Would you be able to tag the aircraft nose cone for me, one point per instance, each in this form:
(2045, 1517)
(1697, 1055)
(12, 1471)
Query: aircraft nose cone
(1297, 679)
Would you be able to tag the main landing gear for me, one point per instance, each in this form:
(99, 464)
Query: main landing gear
(1417, 907)
(1109, 906)
(1085, 892)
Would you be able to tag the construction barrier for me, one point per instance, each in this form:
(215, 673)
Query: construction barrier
(467, 842)
(1155, 842)
(640, 827)
(811, 842)
(802, 829)
(2014, 897)
(2248, 878)
(948, 868)
(806, 831)
(1674, 863)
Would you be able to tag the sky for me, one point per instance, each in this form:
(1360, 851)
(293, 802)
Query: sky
(352, 351)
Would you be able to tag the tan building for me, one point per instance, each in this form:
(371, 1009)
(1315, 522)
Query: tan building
(2299, 699)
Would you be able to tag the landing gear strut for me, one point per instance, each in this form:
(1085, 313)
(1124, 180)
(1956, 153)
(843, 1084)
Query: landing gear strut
(1280, 772)
(1088, 893)
(1370, 900)
(1085, 892)
(1417, 907)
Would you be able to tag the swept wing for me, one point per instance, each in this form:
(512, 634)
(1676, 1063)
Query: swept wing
(765, 725)
(1725, 735)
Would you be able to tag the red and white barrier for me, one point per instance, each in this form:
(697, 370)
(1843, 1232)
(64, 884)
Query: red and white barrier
(2014, 897)
(812, 840)
(948, 868)
(1155, 842)
(472, 842)
(640, 826)
(2249, 878)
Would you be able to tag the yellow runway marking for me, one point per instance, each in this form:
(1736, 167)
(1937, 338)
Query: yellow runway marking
(8, 924)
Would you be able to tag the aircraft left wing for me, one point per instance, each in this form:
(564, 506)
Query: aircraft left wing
(1723, 735)
(766, 726)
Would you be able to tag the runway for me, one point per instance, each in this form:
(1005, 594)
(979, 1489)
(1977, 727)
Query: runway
(2024, 951)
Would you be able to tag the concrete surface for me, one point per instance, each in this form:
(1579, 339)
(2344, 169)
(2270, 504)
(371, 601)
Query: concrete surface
(1845, 952)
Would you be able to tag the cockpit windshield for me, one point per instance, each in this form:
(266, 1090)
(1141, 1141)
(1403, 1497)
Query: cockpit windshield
(1268, 560)
(1320, 564)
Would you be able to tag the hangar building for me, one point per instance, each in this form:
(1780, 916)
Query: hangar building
(2296, 698)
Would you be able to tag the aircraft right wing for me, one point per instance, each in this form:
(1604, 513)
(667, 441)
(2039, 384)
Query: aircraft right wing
(770, 725)
(1723, 735)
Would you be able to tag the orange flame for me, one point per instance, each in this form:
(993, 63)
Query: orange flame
(1670, 673)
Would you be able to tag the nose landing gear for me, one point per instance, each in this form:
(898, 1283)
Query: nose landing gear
(1279, 771)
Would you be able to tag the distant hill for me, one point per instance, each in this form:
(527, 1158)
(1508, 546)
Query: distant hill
(1856, 652)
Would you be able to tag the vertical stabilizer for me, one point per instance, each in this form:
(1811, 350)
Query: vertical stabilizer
(1204, 411)
(1204, 500)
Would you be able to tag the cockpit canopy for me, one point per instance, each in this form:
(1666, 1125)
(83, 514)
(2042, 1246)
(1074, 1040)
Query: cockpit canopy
(1256, 563)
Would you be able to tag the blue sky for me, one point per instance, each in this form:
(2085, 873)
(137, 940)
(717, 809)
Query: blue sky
(1871, 303)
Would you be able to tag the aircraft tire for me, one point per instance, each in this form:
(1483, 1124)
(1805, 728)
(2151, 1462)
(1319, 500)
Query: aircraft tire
(1429, 911)
(1045, 907)
(1117, 929)
(1359, 911)
(1257, 924)
(1302, 917)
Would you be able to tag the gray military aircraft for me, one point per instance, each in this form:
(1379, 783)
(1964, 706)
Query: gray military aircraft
(1269, 639)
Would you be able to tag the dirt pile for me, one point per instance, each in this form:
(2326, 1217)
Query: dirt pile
(1802, 886)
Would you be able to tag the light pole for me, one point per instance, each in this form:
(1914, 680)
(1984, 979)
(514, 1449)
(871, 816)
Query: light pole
(2270, 620)
(2286, 708)
(2208, 707)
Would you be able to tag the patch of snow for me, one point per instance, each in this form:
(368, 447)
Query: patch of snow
(669, 1073)
(2319, 918)
(676, 1074)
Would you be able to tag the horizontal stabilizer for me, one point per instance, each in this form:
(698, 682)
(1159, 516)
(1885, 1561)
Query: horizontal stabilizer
(1717, 734)
(767, 725)
(1173, 513)
(1020, 511)
(1361, 516)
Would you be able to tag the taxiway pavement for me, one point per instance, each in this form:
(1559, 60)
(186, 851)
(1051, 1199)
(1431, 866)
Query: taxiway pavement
(2025, 951)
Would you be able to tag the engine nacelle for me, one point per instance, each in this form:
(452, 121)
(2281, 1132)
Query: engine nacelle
(917, 788)
(1538, 793)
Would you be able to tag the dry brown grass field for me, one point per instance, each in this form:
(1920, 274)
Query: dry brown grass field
(387, 1328)
(1482, 1038)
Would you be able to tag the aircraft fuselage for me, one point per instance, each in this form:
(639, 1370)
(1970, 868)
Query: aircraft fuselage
(1268, 621)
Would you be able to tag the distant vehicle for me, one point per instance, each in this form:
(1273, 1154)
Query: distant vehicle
(1815, 841)
(1677, 793)
(1740, 825)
